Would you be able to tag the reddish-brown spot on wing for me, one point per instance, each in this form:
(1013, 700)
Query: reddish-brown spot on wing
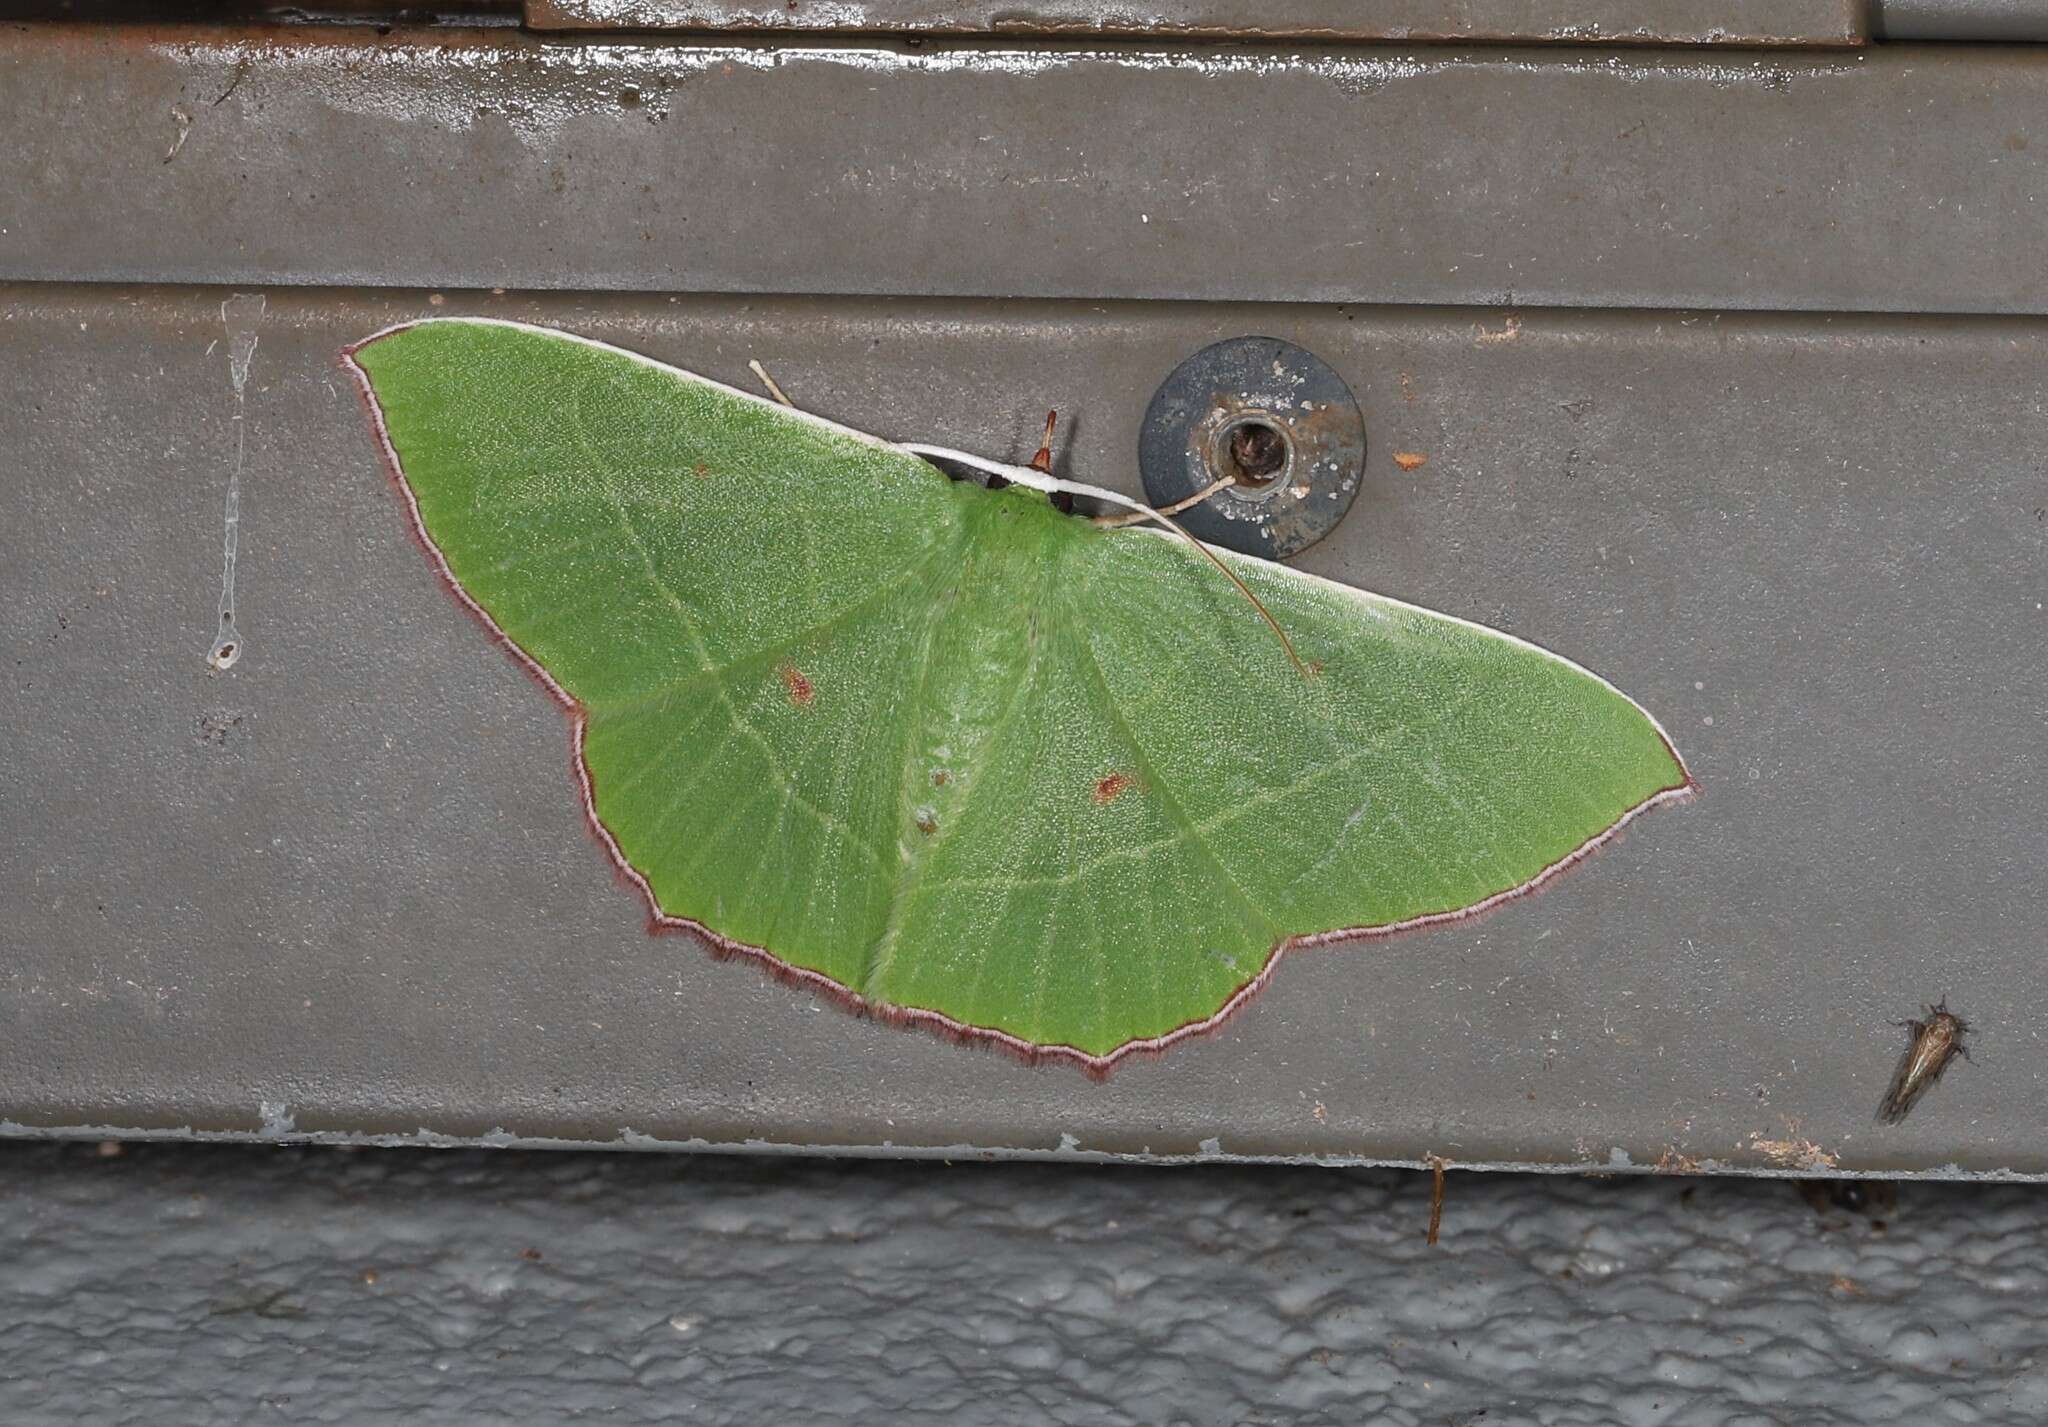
(1107, 789)
(800, 691)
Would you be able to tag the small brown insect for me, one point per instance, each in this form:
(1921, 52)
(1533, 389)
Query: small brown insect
(1936, 1041)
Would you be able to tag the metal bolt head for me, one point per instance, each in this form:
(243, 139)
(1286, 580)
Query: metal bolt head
(1278, 422)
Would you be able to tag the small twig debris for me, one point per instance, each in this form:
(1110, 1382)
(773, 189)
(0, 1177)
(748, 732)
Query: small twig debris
(769, 382)
(1436, 1198)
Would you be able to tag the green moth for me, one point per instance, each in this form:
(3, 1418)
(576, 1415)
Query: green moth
(956, 757)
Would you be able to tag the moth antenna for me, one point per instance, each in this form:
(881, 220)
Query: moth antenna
(1118, 522)
(1052, 485)
(1242, 588)
(769, 382)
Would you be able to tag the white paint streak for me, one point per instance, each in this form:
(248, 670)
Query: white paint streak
(538, 93)
(239, 314)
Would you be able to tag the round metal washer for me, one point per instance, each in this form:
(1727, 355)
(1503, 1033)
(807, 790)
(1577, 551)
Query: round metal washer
(1218, 414)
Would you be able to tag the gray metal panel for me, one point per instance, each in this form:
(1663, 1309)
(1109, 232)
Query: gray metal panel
(1722, 22)
(2000, 21)
(1895, 179)
(346, 888)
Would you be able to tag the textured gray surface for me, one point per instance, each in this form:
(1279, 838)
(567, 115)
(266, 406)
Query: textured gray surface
(228, 1286)
(1729, 22)
(1899, 179)
(346, 886)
